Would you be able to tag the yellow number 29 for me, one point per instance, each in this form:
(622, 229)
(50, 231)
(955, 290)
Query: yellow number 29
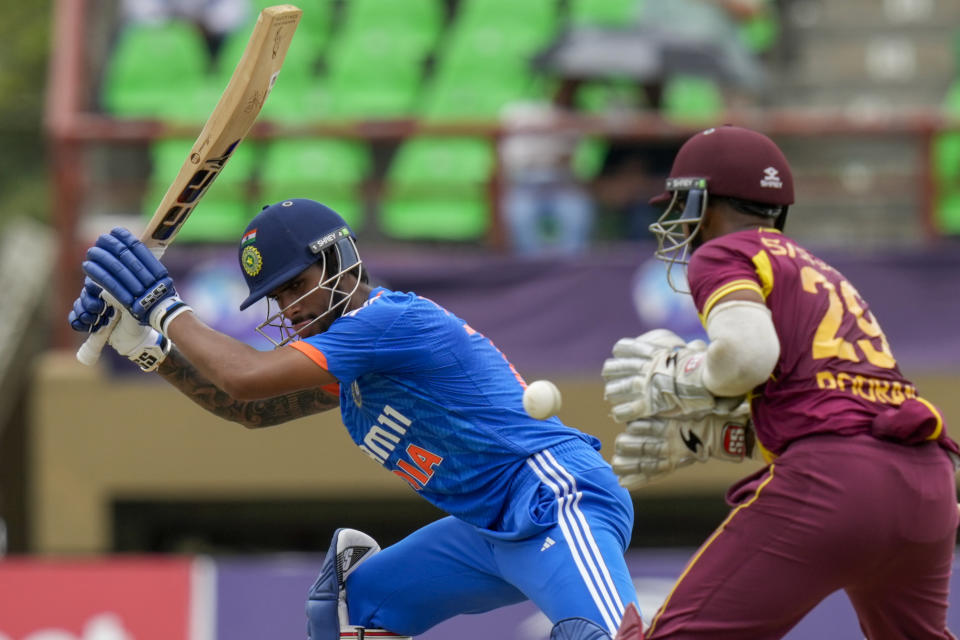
(826, 342)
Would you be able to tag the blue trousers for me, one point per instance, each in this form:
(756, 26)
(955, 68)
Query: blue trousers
(571, 565)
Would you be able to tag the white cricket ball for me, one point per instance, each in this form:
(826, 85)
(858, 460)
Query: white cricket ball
(541, 399)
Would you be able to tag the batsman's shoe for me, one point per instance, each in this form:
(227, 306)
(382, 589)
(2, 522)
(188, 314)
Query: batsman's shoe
(327, 617)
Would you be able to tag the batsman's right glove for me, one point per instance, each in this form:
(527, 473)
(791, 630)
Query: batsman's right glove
(140, 343)
(134, 278)
(651, 448)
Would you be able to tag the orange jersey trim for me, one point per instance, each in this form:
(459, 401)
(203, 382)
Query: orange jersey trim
(321, 360)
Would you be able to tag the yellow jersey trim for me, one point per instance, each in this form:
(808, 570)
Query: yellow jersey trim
(936, 414)
(730, 287)
(761, 262)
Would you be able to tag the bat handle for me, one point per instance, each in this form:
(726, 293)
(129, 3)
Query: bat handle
(89, 351)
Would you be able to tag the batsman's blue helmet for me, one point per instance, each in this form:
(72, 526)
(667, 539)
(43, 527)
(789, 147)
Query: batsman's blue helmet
(287, 237)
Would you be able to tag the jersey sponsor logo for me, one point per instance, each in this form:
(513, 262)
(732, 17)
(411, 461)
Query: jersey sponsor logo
(771, 179)
(421, 471)
(418, 465)
(690, 439)
(382, 438)
(549, 542)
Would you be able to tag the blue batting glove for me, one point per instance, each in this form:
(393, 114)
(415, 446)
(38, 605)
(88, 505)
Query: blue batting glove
(135, 278)
(90, 313)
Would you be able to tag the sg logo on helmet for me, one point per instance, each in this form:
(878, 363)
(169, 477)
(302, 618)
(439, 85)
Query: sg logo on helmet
(251, 260)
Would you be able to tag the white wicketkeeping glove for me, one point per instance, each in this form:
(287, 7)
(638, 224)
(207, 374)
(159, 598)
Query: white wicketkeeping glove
(649, 449)
(658, 374)
(142, 344)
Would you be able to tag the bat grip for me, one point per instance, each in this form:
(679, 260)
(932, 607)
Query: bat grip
(89, 351)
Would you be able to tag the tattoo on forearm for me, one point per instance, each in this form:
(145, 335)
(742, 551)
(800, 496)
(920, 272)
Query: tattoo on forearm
(176, 370)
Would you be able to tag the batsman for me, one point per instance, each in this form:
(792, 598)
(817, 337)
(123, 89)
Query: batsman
(859, 489)
(535, 512)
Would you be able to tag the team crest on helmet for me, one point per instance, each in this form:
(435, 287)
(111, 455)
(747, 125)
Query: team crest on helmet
(251, 260)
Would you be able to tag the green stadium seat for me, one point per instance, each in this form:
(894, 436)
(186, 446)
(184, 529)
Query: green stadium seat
(159, 70)
(691, 99)
(535, 15)
(437, 190)
(407, 28)
(761, 32)
(588, 158)
(328, 170)
(602, 96)
(473, 100)
(224, 209)
(477, 74)
(607, 13)
(359, 86)
(494, 42)
(946, 157)
(947, 212)
(945, 160)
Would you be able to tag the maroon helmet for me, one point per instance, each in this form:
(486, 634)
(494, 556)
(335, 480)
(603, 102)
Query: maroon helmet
(726, 161)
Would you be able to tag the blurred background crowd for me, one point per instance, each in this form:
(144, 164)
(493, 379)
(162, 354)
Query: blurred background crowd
(495, 155)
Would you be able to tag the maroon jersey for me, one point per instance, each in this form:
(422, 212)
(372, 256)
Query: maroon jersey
(836, 373)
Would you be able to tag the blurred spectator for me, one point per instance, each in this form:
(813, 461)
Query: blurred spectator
(631, 174)
(216, 18)
(717, 26)
(545, 206)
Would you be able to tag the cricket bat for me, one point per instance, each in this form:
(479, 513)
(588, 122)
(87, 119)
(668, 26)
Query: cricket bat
(225, 129)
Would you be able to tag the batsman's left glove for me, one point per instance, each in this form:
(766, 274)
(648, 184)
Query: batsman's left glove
(135, 278)
(138, 342)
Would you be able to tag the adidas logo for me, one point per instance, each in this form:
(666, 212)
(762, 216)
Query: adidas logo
(549, 542)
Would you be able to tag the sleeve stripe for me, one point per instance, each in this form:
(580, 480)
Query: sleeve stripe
(311, 352)
(321, 360)
(730, 287)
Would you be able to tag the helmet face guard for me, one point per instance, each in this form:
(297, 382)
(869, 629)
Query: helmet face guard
(677, 230)
(337, 258)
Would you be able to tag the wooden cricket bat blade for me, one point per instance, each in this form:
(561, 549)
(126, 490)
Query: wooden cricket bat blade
(228, 124)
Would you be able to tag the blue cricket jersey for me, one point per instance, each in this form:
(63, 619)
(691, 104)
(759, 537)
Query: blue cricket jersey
(435, 402)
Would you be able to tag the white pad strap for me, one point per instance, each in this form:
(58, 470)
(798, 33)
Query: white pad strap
(744, 347)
